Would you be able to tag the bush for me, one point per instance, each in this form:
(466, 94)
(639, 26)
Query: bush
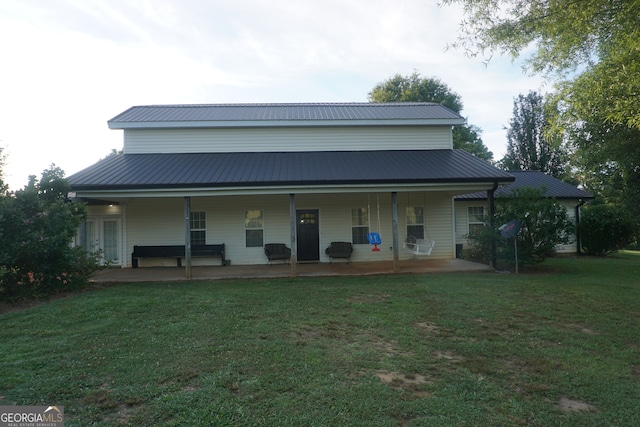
(545, 224)
(37, 226)
(605, 229)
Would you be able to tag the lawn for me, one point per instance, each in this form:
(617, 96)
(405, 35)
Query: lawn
(557, 347)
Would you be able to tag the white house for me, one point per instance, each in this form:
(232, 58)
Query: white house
(304, 175)
(471, 209)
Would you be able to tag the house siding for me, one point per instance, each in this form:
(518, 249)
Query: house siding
(159, 221)
(146, 141)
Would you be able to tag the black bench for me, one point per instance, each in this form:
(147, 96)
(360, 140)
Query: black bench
(177, 252)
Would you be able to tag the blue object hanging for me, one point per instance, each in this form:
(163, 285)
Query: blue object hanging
(374, 239)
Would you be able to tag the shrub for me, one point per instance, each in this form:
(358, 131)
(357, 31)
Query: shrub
(545, 224)
(605, 229)
(37, 226)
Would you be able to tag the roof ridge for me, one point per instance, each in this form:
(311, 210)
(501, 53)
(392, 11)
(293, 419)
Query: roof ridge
(288, 104)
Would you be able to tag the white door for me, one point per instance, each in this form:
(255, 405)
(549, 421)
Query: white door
(103, 233)
(110, 240)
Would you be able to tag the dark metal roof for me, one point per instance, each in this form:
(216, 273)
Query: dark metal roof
(224, 114)
(206, 170)
(554, 187)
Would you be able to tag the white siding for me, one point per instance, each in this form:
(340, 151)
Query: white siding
(462, 218)
(160, 222)
(144, 141)
(571, 247)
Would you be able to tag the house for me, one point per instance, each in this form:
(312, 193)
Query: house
(304, 175)
(471, 209)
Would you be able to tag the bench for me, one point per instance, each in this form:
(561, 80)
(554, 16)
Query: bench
(276, 251)
(177, 252)
(339, 250)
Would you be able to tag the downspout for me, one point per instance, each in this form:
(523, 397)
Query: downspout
(578, 240)
(492, 209)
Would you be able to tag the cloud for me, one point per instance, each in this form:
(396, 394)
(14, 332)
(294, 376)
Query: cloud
(73, 64)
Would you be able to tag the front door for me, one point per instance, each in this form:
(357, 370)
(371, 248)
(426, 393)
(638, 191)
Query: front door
(308, 231)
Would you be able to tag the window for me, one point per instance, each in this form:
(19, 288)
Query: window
(254, 228)
(475, 219)
(415, 222)
(198, 228)
(359, 226)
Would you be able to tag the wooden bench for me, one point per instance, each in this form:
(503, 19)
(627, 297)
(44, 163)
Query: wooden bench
(177, 252)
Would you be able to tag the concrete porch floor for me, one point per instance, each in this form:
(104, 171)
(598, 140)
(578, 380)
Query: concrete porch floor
(156, 274)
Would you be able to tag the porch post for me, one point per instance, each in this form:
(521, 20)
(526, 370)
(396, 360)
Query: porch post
(394, 225)
(187, 236)
(82, 235)
(492, 210)
(294, 247)
(82, 230)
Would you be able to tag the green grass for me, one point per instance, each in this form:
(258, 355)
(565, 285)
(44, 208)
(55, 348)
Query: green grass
(558, 347)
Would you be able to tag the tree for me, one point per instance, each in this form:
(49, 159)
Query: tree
(591, 46)
(3, 187)
(530, 145)
(414, 88)
(607, 161)
(37, 225)
(545, 224)
(605, 229)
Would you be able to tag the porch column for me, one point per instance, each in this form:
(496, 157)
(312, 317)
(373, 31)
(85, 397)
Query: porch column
(394, 225)
(187, 236)
(293, 222)
(82, 230)
(492, 210)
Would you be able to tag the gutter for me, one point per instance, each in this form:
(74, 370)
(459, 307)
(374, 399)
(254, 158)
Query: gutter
(578, 240)
(492, 208)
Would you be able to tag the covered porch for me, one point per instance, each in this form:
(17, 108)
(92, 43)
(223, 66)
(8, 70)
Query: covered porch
(173, 274)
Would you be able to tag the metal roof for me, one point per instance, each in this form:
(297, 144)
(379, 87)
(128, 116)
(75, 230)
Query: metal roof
(554, 188)
(218, 170)
(217, 115)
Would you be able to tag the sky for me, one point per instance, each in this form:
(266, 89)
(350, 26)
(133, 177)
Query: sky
(68, 66)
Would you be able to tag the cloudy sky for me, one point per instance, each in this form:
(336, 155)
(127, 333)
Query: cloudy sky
(68, 66)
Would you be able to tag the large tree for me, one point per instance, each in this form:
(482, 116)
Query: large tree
(415, 88)
(530, 144)
(592, 46)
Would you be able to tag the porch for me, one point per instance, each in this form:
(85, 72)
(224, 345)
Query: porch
(174, 274)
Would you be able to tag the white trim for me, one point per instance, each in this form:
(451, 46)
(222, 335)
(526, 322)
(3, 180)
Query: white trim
(462, 188)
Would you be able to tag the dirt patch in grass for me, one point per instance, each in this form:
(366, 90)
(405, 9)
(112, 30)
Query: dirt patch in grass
(574, 327)
(569, 406)
(388, 348)
(369, 298)
(427, 327)
(400, 381)
(447, 355)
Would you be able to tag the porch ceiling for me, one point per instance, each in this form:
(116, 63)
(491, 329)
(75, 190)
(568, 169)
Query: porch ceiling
(276, 173)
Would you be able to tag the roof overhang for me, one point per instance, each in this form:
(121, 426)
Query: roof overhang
(281, 123)
(119, 194)
(211, 174)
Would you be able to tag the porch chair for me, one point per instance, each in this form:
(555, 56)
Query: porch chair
(339, 250)
(276, 251)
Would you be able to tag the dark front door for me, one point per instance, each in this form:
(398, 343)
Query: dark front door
(308, 231)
